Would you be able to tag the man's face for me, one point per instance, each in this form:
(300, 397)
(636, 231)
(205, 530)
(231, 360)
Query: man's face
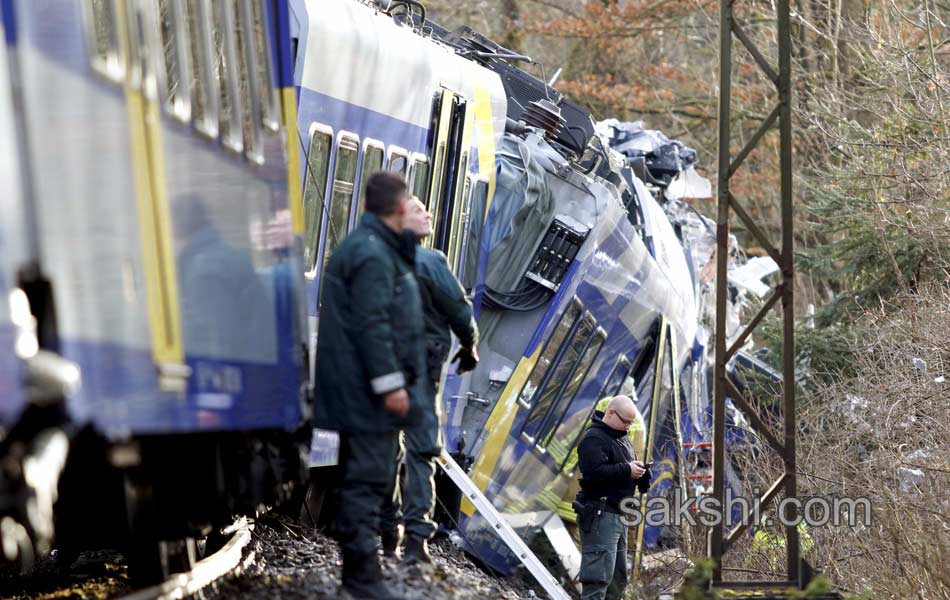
(418, 219)
(620, 417)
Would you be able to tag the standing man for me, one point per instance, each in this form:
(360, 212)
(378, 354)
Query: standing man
(609, 474)
(370, 368)
(446, 309)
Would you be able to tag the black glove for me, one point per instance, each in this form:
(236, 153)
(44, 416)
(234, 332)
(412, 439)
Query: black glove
(468, 358)
(643, 483)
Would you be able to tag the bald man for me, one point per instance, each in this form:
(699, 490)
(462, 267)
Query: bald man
(609, 474)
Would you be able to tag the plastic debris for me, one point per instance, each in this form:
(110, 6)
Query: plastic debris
(749, 276)
(909, 478)
(919, 363)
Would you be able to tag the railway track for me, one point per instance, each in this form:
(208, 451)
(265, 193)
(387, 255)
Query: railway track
(228, 560)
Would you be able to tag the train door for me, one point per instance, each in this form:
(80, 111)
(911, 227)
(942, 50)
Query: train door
(449, 189)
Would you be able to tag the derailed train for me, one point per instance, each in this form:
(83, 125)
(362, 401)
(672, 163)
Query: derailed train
(583, 280)
(159, 222)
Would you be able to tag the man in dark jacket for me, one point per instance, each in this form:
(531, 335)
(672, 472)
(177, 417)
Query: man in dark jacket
(446, 311)
(609, 474)
(370, 370)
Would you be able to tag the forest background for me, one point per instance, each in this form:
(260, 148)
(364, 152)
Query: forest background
(872, 219)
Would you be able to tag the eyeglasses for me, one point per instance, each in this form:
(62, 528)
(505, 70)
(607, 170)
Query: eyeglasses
(627, 422)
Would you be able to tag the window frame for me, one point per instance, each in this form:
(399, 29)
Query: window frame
(234, 138)
(461, 203)
(621, 365)
(247, 35)
(327, 130)
(476, 180)
(209, 123)
(270, 105)
(547, 424)
(356, 206)
(575, 303)
(415, 159)
(110, 65)
(342, 135)
(394, 151)
(180, 106)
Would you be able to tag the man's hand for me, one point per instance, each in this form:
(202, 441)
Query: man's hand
(637, 469)
(468, 358)
(397, 403)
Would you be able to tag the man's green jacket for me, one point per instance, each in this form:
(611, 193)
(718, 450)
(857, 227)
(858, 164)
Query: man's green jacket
(371, 339)
(445, 307)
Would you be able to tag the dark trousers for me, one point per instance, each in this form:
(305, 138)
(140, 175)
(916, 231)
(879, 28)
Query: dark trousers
(604, 558)
(368, 462)
(414, 495)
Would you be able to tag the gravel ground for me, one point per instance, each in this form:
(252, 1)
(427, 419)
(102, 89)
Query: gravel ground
(93, 576)
(287, 560)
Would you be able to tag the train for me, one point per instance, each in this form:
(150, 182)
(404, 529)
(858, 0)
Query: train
(583, 265)
(181, 173)
(159, 254)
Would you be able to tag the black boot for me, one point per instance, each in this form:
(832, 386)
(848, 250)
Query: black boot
(390, 542)
(363, 580)
(417, 550)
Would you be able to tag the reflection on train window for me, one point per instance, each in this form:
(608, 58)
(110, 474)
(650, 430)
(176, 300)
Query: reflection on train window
(226, 71)
(420, 179)
(550, 352)
(270, 110)
(551, 387)
(473, 241)
(372, 162)
(177, 80)
(249, 83)
(575, 380)
(314, 190)
(398, 162)
(344, 178)
(102, 39)
(203, 80)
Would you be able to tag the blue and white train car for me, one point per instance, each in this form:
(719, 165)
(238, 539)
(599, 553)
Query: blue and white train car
(156, 133)
(375, 94)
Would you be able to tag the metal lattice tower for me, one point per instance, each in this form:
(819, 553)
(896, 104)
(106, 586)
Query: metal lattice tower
(719, 540)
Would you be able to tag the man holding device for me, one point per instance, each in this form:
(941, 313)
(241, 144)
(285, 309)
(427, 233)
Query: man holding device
(609, 474)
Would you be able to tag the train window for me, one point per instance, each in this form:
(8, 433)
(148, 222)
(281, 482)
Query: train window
(459, 215)
(204, 84)
(615, 380)
(249, 81)
(177, 58)
(473, 241)
(102, 39)
(372, 162)
(344, 178)
(549, 355)
(434, 203)
(420, 178)
(398, 160)
(611, 388)
(270, 111)
(570, 389)
(657, 408)
(550, 389)
(227, 72)
(314, 192)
